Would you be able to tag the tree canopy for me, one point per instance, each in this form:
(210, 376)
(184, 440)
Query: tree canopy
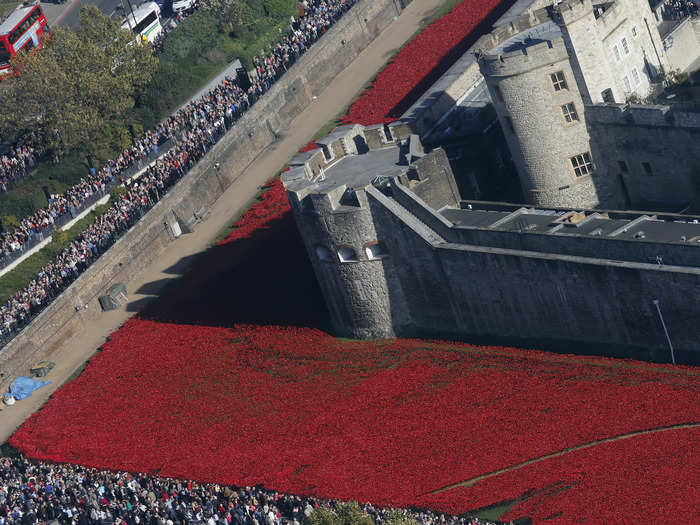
(233, 14)
(69, 90)
(350, 513)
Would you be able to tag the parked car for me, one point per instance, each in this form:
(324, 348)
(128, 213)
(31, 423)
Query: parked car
(182, 5)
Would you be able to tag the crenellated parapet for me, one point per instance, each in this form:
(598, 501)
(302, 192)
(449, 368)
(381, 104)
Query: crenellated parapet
(329, 191)
(522, 57)
(570, 11)
(528, 20)
(657, 116)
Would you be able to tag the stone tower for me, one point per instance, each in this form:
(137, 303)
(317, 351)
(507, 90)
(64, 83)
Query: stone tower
(537, 98)
(330, 190)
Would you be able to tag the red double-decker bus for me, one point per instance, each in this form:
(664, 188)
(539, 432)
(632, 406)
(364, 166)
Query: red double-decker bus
(23, 29)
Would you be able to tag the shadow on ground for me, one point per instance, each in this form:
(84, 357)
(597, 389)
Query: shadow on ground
(264, 278)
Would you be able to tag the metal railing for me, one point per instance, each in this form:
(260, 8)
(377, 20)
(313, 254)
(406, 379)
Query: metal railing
(12, 329)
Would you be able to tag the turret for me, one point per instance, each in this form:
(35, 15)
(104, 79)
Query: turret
(540, 108)
(327, 189)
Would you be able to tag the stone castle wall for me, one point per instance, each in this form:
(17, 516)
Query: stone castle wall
(464, 74)
(666, 138)
(198, 190)
(356, 291)
(680, 254)
(518, 295)
(682, 45)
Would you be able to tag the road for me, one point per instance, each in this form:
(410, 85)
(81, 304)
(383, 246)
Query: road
(66, 14)
(336, 97)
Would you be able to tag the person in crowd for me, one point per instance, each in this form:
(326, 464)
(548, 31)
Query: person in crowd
(679, 9)
(33, 493)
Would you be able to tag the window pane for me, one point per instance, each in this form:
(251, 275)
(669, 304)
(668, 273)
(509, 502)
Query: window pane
(143, 24)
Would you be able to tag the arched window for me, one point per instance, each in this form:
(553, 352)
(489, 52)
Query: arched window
(347, 254)
(376, 250)
(324, 254)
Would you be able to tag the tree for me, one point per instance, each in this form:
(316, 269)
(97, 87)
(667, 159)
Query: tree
(342, 514)
(280, 8)
(230, 13)
(351, 514)
(78, 83)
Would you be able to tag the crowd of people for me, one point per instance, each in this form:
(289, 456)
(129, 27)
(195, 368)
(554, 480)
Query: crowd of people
(33, 493)
(192, 131)
(17, 161)
(21, 158)
(679, 9)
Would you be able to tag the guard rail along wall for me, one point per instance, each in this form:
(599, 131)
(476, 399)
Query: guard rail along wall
(257, 129)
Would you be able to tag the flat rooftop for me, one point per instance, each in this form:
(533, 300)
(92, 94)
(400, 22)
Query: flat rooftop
(542, 33)
(633, 226)
(357, 171)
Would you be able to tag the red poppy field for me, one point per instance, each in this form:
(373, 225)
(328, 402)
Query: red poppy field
(232, 377)
(424, 60)
(184, 390)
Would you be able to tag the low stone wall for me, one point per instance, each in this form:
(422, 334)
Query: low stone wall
(664, 138)
(259, 128)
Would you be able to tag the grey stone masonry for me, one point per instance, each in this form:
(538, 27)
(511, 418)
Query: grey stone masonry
(327, 188)
(545, 68)
(397, 253)
(530, 106)
(653, 150)
(258, 129)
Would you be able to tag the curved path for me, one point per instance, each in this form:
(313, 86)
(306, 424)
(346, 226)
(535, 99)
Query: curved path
(473, 481)
(173, 261)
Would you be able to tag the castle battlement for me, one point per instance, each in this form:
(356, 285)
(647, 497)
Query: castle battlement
(643, 115)
(610, 15)
(569, 11)
(523, 55)
(331, 177)
(529, 20)
(396, 252)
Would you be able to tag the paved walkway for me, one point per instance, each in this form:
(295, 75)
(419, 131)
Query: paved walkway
(337, 95)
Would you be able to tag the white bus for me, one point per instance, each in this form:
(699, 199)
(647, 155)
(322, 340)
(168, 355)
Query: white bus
(144, 21)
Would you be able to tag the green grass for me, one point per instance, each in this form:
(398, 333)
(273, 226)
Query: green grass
(494, 512)
(27, 195)
(20, 276)
(226, 229)
(76, 373)
(192, 62)
(441, 11)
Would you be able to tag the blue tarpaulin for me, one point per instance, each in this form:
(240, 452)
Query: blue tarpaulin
(22, 387)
